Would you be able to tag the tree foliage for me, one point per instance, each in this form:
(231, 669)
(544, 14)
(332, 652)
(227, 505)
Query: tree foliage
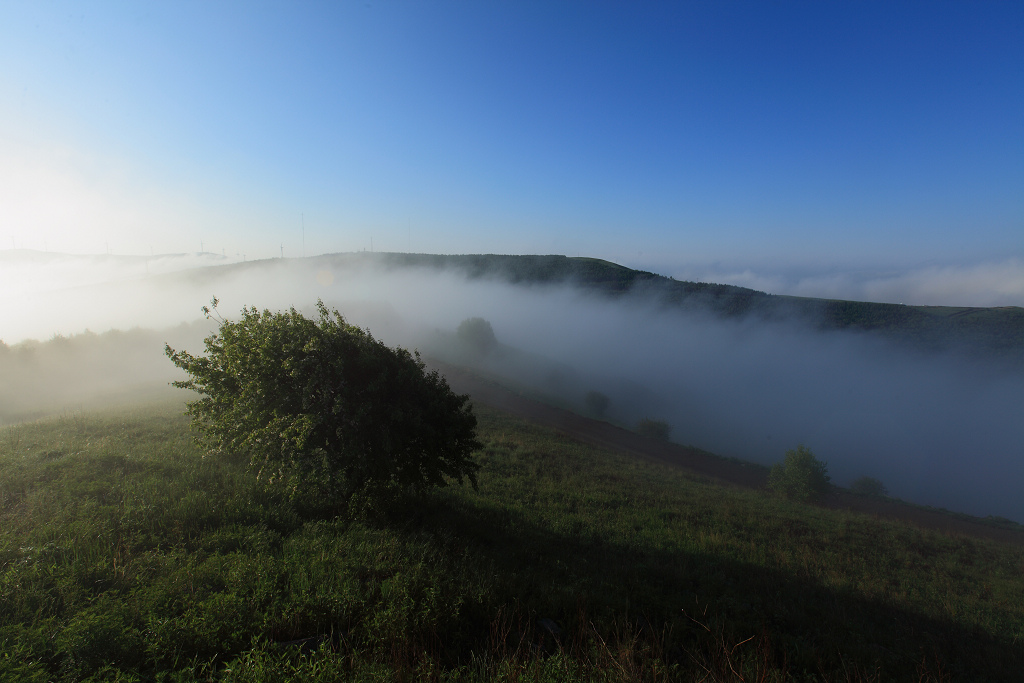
(801, 476)
(322, 403)
(654, 429)
(478, 335)
(596, 404)
(870, 487)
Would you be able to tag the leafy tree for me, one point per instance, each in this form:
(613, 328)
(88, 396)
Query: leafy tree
(801, 476)
(326, 407)
(654, 429)
(870, 487)
(477, 334)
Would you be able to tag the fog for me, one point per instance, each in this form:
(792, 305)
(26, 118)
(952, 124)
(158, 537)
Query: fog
(936, 429)
(985, 283)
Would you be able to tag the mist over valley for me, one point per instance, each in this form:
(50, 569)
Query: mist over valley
(718, 321)
(730, 370)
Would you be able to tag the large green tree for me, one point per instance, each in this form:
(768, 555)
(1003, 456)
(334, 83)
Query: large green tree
(323, 405)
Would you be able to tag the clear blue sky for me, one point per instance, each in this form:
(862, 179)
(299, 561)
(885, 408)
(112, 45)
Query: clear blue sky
(778, 142)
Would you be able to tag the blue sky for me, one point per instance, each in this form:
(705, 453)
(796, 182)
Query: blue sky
(867, 150)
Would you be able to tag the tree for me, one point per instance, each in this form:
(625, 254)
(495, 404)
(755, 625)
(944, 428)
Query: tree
(596, 404)
(869, 487)
(801, 476)
(654, 429)
(478, 335)
(326, 407)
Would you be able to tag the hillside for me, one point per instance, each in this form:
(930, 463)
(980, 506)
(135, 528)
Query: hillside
(997, 331)
(127, 555)
(730, 471)
(984, 332)
(988, 332)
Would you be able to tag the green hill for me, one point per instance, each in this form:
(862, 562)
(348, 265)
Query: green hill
(987, 332)
(127, 555)
(996, 332)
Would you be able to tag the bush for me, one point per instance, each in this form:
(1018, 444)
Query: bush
(870, 487)
(800, 476)
(478, 335)
(596, 404)
(654, 429)
(324, 406)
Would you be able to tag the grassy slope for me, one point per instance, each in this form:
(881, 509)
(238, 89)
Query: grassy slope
(125, 555)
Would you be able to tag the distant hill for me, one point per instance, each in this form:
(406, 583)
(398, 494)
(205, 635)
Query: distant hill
(979, 331)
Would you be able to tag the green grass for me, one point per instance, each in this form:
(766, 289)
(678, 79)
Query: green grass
(127, 555)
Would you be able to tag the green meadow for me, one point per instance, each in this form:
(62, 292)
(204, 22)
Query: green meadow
(128, 554)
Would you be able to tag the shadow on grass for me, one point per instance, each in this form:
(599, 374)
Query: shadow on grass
(695, 605)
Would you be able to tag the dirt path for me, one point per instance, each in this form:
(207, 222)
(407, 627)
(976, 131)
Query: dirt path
(605, 435)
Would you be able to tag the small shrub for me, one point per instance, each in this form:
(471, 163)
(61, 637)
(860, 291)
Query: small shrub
(653, 429)
(870, 487)
(801, 476)
(478, 335)
(596, 404)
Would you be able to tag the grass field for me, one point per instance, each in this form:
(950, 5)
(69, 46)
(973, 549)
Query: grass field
(126, 555)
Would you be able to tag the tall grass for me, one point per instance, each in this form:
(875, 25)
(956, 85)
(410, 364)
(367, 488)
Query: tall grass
(125, 554)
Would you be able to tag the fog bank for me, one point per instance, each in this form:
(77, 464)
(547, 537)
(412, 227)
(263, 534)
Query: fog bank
(988, 283)
(936, 429)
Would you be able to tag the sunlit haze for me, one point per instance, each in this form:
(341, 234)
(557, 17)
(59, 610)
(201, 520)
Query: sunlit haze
(870, 150)
(863, 151)
(740, 387)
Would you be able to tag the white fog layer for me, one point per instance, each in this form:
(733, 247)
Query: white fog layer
(939, 430)
(988, 283)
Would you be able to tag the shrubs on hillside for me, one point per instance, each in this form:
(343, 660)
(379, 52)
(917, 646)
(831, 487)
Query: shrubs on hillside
(596, 404)
(478, 335)
(324, 406)
(653, 429)
(801, 476)
(869, 487)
